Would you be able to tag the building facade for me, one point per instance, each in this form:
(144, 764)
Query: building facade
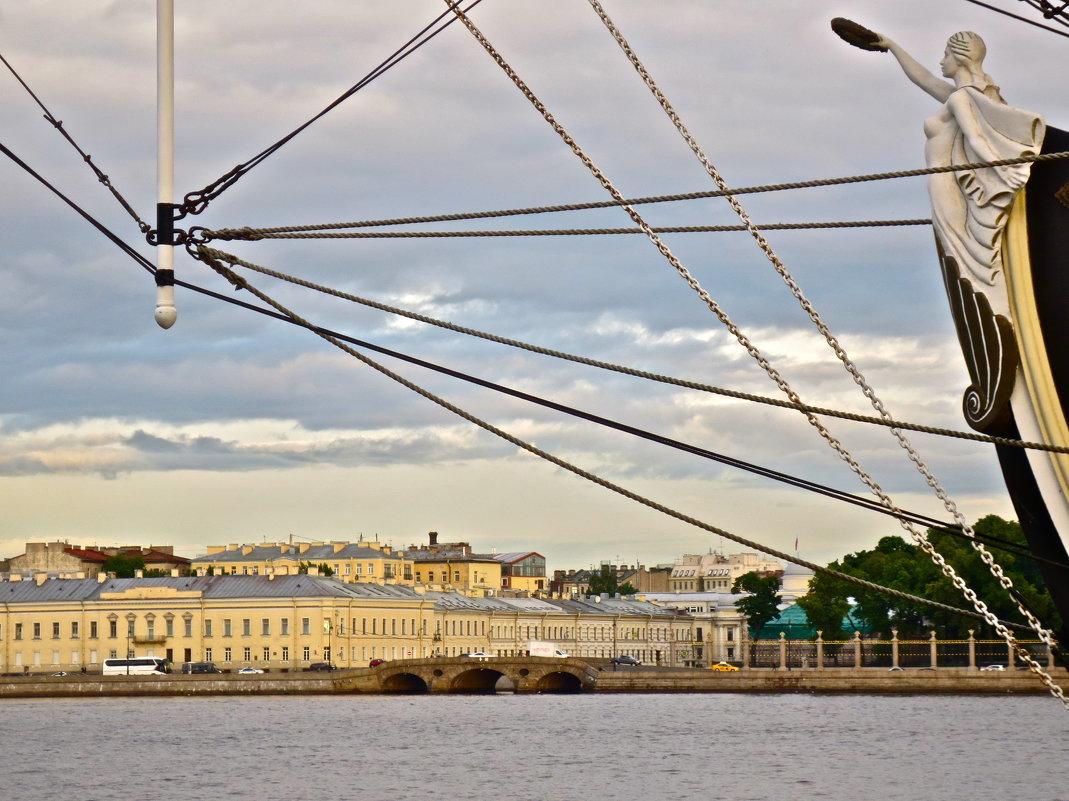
(714, 572)
(365, 562)
(287, 622)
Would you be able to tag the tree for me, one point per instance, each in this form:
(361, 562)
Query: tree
(605, 580)
(123, 566)
(762, 603)
(626, 589)
(906, 567)
(323, 568)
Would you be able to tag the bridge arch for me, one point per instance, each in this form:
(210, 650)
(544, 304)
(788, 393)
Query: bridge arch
(561, 682)
(477, 681)
(404, 684)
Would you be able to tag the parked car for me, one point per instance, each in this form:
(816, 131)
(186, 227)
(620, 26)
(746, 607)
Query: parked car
(478, 655)
(250, 670)
(625, 659)
(321, 666)
(61, 673)
(200, 667)
(376, 662)
(724, 667)
(993, 667)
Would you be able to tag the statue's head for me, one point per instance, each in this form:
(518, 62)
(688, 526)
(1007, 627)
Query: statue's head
(964, 60)
(968, 48)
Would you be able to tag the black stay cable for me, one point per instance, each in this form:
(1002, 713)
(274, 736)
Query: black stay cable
(145, 264)
(58, 125)
(1019, 18)
(774, 475)
(196, 202)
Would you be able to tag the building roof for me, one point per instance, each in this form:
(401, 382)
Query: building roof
(293, 553)
(513, 556)
(87, 555)
(57, 589)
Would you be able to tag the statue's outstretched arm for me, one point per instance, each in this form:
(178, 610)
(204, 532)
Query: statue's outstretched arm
(917, 72)
(860, 36)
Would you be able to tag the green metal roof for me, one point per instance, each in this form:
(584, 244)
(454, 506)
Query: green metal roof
(795, 625)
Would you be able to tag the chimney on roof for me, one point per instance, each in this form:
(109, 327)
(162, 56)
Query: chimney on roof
(246, 549)
(139, 573)
(41, 578)
(101, 578)
(233, 546)
(433, 537)
(174, 572)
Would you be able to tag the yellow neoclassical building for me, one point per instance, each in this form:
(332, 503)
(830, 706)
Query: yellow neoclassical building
(287, 622)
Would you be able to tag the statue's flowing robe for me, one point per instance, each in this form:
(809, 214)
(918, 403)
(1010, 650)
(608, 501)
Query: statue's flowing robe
(970, 208)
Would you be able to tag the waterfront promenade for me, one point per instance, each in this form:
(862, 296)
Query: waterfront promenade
(532, 675)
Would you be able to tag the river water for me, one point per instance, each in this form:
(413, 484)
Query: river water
(528, 748)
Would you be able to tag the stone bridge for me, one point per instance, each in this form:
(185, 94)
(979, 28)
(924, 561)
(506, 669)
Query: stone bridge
(520, 674)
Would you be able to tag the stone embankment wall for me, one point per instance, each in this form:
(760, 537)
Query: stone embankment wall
(963, 681)
(860, 681)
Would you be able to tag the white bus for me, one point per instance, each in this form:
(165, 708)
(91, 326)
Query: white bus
(136, 666)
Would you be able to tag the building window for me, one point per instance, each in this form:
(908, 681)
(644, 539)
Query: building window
(306, 627)
(37, 631)
(267, 653)
(326, 654)
(227, 628)
(248, 654)
(208, 629)
(207, 654)
(130, 622)
(169, 627)
(226, 654)
(112, 654)
(18, 631)
(371, 570)
(265, 626)
(92, 629)
(113, 629)
(151, 628)
(285, 653)
(285, 626)
(189, 626)
(246, 627)
(307, 653)
(55, 632)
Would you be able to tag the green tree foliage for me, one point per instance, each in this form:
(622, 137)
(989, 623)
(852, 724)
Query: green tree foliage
(604, 580)
(123, 566)
(903, 566)
(323, 568)
(762, 604)
(626, 589)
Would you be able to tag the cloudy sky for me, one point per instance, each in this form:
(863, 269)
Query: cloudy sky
(232, 427)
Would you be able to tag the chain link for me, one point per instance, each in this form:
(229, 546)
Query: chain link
(1044, 634)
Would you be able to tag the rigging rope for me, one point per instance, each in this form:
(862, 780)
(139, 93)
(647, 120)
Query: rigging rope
(729, 393)
(240, 283)
(919, 536)
(196, 202)
(639, 201)
(58, 125)
(330, 336)
(251, 235)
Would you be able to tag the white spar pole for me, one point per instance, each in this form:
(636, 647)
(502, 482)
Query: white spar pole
(166, 313)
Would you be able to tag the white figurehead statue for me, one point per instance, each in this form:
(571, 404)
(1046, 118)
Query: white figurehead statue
(969, 208)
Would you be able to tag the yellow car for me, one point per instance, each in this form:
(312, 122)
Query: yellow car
(723, 666)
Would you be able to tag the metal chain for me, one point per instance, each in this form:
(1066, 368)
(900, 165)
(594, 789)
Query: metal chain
(617, 368)
(214, 259)
(860, 380)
